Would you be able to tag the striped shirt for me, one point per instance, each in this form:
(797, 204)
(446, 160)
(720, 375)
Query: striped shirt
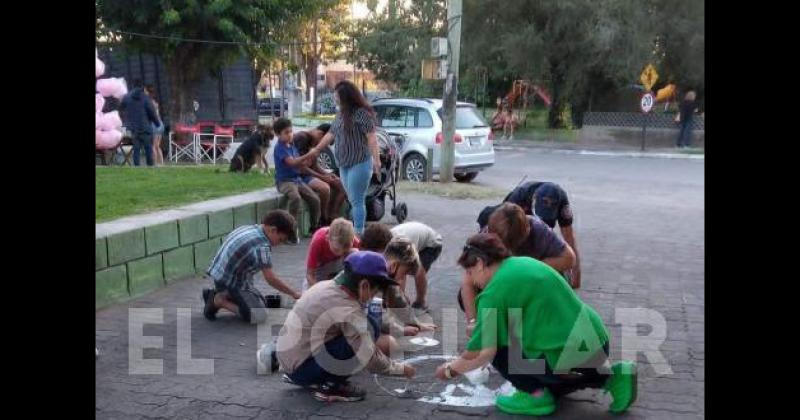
(245, 251)
(351, 145)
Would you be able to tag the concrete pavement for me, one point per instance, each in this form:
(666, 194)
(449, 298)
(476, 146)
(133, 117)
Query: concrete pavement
(640, 230)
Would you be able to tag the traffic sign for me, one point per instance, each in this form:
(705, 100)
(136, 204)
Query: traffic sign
(649, 77)
(647, 102)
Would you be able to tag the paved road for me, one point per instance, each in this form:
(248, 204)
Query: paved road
(640, 229)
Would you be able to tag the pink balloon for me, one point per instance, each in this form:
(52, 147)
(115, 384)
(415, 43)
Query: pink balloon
(98, 120)
(113, 86)
(105, 140)
(99, 102)
(109, 121)
(99, 67)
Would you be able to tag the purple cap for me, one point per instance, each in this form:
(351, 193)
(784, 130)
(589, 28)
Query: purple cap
(369, 263)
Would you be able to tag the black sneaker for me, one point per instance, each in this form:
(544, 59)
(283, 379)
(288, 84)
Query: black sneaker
(209, 310)
(345, 392)
(286, 379)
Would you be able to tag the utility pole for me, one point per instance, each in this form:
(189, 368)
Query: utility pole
(450, 90)
(315, 63)
(352, 38)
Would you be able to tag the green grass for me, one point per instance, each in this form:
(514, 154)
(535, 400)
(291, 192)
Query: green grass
(125, 191)
(455, 190)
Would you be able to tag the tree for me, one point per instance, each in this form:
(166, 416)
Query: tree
(680, 42)
(321, 35)
(573, 45)
(248, 24)
(393, 44)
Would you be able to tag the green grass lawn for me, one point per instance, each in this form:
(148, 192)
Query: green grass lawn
(454, 190)
(125, 191)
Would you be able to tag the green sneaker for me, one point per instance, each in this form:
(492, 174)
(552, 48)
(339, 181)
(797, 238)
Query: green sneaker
(525, 403)
(622, 385)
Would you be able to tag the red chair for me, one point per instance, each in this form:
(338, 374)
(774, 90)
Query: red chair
(242, 129)
(205, 140)
(183, 142)
(223, 137)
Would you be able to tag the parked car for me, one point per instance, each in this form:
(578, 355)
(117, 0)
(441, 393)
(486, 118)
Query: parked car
(273, 106)
(419, 124)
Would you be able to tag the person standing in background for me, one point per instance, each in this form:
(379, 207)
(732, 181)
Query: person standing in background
(357, 152)
(686, 113)
(158, 129)
(140, 116)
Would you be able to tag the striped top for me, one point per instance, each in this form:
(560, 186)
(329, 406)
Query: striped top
(351, 145)
(245, 251)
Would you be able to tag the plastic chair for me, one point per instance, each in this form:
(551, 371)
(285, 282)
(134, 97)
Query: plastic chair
(242, 129)
(223, 137)
(205, 141)
(183, 142)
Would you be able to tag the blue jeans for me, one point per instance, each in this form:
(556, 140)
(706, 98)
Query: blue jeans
(311, 373)
(685, 136)
(356, 180)
(143, 139)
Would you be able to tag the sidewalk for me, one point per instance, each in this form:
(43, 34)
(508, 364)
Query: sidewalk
(616, 275)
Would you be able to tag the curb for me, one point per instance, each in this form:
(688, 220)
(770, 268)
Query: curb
(603, 152)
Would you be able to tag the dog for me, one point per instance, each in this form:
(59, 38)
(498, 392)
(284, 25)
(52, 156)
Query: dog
(252, 151)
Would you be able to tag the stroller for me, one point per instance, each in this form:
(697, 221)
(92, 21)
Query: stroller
(385, 183)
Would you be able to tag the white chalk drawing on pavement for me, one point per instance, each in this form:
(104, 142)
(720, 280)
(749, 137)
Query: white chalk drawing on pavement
(472, 394)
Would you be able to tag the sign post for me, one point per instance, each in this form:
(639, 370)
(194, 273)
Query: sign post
(646, 105)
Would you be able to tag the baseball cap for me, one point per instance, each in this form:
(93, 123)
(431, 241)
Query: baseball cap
(369, 264)
(547, 199)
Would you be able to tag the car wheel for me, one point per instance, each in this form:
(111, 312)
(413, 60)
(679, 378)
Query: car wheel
(326, 161)
(467, 177)
(414, 168)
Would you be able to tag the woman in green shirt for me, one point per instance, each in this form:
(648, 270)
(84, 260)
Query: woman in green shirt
(536, 332)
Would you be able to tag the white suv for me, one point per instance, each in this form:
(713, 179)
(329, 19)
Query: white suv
(420, 122)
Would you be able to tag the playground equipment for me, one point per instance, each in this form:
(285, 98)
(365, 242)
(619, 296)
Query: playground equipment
(667, 94)
(520, 89)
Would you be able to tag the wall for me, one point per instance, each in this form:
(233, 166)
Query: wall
(139, 254)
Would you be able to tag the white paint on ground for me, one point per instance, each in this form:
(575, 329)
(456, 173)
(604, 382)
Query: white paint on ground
(424, 341)
(475, 394)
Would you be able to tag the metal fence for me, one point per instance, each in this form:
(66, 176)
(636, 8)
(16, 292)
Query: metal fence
(637, 119)
(228, 95)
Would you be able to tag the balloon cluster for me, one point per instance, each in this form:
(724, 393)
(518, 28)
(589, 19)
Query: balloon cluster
(108, 133)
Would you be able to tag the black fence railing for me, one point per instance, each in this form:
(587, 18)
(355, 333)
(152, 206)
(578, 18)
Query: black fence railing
(637, 119)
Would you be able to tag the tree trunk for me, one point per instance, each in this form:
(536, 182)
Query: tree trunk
(181, 81)
(555, 118)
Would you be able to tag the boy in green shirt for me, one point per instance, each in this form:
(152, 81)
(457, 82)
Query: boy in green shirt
(536, 332)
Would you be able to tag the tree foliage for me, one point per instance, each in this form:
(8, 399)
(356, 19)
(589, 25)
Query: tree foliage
(393, 44)
(577, 49)
(251, 22)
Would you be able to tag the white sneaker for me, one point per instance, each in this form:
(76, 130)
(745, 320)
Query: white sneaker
(266, 360)
(510, 138)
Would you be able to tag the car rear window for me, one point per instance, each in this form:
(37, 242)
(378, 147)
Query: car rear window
(467, 117)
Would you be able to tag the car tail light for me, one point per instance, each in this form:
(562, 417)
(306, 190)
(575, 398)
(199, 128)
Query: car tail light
(456, 139)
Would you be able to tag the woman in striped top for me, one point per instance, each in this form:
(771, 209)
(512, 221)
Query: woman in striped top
(356, 147)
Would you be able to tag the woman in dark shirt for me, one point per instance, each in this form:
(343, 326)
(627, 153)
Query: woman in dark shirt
(356, 147)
